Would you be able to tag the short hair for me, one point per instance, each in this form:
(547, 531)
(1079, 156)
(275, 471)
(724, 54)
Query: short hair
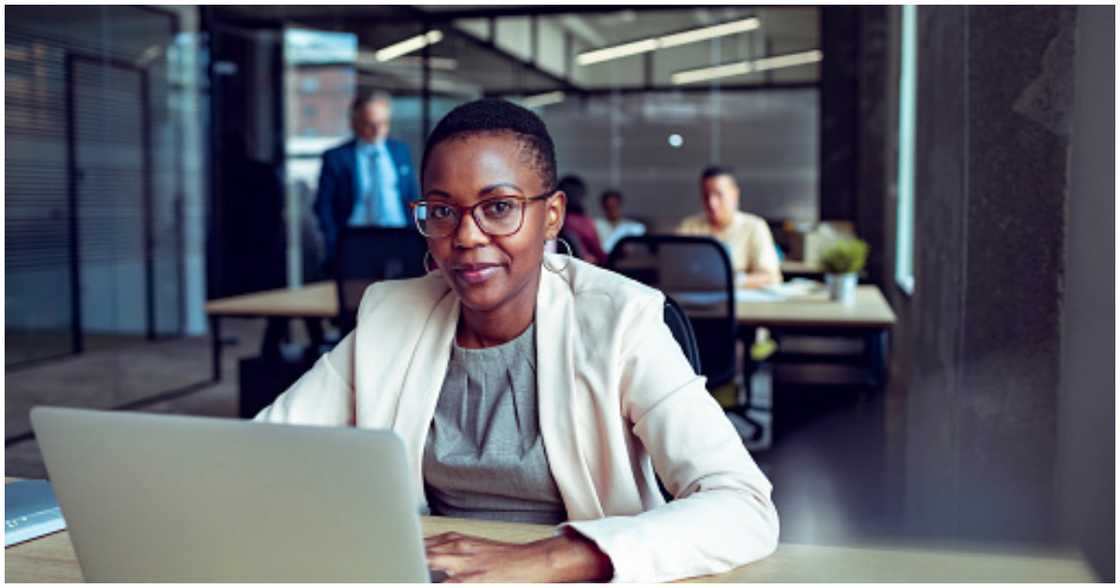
(611, 193)
(717, 170)
(575, 188)
(496, 116)
(363, 98)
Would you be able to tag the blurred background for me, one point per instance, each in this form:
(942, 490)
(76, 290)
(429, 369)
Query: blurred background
(161, 157)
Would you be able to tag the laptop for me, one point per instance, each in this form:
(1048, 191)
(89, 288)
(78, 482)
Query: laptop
(189, 499)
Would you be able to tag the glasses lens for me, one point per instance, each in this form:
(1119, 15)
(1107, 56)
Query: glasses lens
(499, 216)
(435, 219)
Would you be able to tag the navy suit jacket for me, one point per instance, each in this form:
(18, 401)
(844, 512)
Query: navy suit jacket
(338, 185)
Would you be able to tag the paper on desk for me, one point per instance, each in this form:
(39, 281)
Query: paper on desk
(779, 292)
(759, 295)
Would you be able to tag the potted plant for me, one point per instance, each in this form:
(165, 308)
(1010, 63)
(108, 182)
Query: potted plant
(842, 261)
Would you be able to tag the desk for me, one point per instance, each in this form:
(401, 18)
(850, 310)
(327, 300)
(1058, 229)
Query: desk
(868, 317)
(318, 300)
(869, 310)
(52, 559)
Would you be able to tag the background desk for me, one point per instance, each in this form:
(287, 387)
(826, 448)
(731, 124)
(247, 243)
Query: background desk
(868, 317)
(51, 559)
(318, 300)
(869, 310)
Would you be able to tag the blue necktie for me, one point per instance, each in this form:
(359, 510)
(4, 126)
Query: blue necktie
(373, 197)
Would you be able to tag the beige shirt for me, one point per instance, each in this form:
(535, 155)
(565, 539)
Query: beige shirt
(747, 238)
(617, 403)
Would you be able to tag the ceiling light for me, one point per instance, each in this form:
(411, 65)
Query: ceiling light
(408, 45)
(739, 68)
(721, 30)
(788, 60)
(546, 99)
(711, 73)
(617, 51)
(665, 41)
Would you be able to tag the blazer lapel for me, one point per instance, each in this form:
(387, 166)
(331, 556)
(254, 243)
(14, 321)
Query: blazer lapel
(423, 381)
(563, 435)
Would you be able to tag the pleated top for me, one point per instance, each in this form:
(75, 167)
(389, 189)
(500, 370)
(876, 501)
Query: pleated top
(484, 457)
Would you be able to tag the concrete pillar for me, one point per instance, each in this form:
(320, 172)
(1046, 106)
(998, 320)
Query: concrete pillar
(992, 178)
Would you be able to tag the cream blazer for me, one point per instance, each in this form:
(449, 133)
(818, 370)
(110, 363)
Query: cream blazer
(618, 402)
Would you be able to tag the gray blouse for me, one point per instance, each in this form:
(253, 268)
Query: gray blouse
(484, 457)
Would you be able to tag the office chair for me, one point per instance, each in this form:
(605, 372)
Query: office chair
(696, 271)
(678, 324)
(371, 254)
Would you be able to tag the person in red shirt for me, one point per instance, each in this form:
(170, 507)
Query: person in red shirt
(579, 229)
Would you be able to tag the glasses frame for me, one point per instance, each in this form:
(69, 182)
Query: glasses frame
(462, 211)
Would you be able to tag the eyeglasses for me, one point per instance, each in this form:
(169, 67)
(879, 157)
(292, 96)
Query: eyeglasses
(497, 217)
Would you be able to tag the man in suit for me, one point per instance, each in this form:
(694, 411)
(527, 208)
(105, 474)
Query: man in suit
(367, 181)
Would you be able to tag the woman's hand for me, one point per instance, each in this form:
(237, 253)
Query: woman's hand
(565, 558)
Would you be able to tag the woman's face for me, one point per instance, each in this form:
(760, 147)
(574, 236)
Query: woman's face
(488, 272)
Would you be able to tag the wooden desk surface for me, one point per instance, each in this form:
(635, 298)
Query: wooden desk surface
(868, 310)
(52, 559)
(317, 300)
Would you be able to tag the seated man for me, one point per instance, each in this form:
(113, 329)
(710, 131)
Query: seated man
(747, 237)
(613, 228)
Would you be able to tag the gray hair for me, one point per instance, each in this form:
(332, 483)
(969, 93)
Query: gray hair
(363, 98)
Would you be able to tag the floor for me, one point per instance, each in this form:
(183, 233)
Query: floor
(168, 376)
(832, 451)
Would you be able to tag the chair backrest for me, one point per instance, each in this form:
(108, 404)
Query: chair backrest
(681, 329)
(371, 254)
(696, 272)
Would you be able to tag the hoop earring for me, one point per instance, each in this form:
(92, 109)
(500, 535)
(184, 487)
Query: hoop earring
(428, 256)
(556, 270)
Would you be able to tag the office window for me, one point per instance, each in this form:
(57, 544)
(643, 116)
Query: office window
(623, 141)
(904, 254)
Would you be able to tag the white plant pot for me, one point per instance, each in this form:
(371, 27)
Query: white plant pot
(841, 287)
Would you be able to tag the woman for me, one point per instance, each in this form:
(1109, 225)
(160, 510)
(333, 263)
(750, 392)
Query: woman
(536, 387)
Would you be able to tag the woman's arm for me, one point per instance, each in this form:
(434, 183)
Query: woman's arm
(764, 267)
(722, 516)
(322, 396)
